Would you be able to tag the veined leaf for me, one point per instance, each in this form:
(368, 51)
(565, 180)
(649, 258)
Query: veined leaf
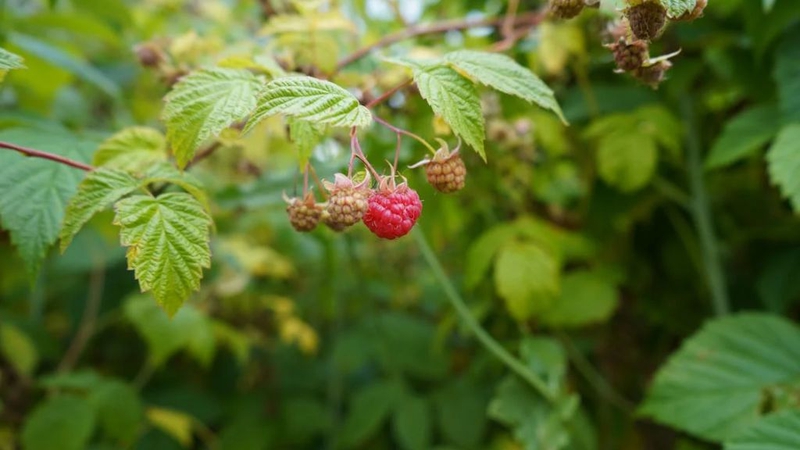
(305, 136)
(134, 148)
(167, 240)
(312, 100)
(677, 8)
(454, 99)
(743, 135)
(506, 75)
(34, 192)
(9, 61)
(714, 385)
(167, 173)
(779, 431)
(100, 188)
(204, 103)
(784, 163)
(787, 76)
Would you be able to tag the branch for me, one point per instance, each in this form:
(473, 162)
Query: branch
(529, 19)
(45, 155)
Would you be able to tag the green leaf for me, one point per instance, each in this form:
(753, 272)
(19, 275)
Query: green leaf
(133, 148)
(99, 189)
(506, 75)
(35, 191)
(175, 424)
(305, 136)
(586, 297)
(412, 423)
(767, 5)
(9, 61)
(118, 409)
(312, 100)
(783, 159)
(18, 349)
(167, 173)
(461, 413)
(677, 8)
(527, 277)
(713, 386)
(627, 161)
(66, 61)
(369, 409)
(454, 99)
(481, 253)
(743, 135)
(204, 103)
(779, 431)
(63, 422)
(167, 239)
(787, 76)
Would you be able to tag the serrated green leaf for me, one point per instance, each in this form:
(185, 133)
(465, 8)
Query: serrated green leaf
(527, 277)
(783, 159)
(787, 76)
(779, 431)
(454, 99)
(167, 173)
(586, 297)
(133, 148)
(627, 161)
(743, 135)
(506, 75)
(677, 8)
(167, 239)
(9, 61)
(412, 422)
(64, 422)
(204, 103)
(34, 191)
(369, 409)
(99, 189)
(713, 386)
(312, 100)
(305, 136)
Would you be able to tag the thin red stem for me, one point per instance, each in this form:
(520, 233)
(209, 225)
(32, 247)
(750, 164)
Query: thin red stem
(387, 94)
(405, 132)
(356, 152)
(45, 155)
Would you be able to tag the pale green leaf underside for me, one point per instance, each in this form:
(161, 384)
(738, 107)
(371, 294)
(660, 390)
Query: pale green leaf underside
(133, 148)
(34, 192)
(100, 188)
(454, 99)
(783, 160)
(779, 431)
(527, 277)
(712, 387)
(505, 75)
(203, 104)
(305, 136)
(744, 135)
(167, 239)
(312, 100)
(677, 8)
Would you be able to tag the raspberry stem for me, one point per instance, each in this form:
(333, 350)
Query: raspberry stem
(356, 152)
(405, 132)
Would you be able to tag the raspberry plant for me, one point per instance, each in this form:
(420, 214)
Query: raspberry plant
(274, 181)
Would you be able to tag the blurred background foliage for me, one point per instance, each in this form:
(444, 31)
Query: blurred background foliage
(575, 246)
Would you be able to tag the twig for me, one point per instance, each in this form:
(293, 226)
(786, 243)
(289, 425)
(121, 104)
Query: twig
(87, 325)
(404, 132)
(387, 94)
(45, 155)
(507, 28)
(532, 18)
(204, 153)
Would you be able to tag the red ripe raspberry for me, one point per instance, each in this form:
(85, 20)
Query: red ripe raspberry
(305, 213)
(347, 202)
(566, 9)
(646, 18)
(393, 211)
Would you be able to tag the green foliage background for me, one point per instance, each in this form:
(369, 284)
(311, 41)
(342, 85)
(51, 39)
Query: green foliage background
(637, 260)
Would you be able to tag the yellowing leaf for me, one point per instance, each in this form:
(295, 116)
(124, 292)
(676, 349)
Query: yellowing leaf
(175, 423)
(527, 277)
(133, 148)
(167, 239)
(9, 61)
(17, 349)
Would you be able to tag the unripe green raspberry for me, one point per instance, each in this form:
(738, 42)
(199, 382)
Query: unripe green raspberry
(347, 202)
(447, 174)
(304, 214)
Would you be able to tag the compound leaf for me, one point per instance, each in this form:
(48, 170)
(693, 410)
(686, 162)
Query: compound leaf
(779, 431)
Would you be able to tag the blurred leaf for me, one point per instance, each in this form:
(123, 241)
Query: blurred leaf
(768, 4)
(167, 239)
(412, 423)
(783, 160)
(98, 190)
(627, 161)
(527, 277)
(406, 343)
(546, 357)
(34, 191)
(235, 340)
(587, 296)
(312, 100)
(118, 410)
(504, 74)
(369, 409)
(304, 419)
(481, 253)
(79, 25)
(712, 386)
(9, 61)
(17, 348)
(63, 422)
(776, 285)
(79, 381)
(164, 172)
(59, 58)
(305, 136)
(677, 8)
(787, 76)
(133, 148)
(204, 103)
(743, 136)
(461, 414)
(245, 432)
(779, 431)
(297, 23)
(174, 423)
